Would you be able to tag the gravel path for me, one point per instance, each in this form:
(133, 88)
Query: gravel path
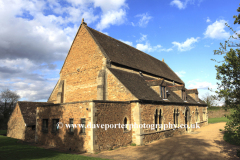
(206, 143)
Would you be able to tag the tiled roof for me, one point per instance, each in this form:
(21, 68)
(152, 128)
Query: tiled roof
(189, 91)
(123, 54)
(28, 110)
(136, 85)
(173, 97)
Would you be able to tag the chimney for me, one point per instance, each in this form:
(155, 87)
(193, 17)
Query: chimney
(163, 60)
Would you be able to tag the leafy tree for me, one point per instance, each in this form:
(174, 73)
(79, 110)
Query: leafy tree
(8, 100)
(228, 73)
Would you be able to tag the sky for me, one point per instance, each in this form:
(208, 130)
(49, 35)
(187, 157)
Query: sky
(36, 35)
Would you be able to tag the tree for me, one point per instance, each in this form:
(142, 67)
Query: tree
(228, 73)
(207, 98)
(8, 100)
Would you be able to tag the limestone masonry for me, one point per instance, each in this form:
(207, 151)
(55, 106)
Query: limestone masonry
(105, 81)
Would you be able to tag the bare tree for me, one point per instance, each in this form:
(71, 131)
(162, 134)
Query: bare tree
(209, 99)
(8, 100)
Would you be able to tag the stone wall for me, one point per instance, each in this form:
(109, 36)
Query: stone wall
(148, 112)
(112, 113)
(16, 125)
(116, 91)
(217, 113)
(63, 138)
(80, 69)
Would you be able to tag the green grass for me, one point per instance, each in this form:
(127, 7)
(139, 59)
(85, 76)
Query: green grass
(3, 131)
(216, 120)
(11, 150)
(133, 144)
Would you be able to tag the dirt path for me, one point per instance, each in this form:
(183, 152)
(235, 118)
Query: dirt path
(206, 143)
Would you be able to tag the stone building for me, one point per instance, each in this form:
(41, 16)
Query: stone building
(22, 122)
(104, 81)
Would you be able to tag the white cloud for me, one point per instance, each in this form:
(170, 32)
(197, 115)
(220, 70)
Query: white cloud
(127, 42)
(148, 48)
(182, 5)
(32, 39)
(181, 73)
(178, 3)
(144, 19)
(187, 45)
(216, 30)
(200, 84)
(111, 18)
(143, 38)
(208, 19)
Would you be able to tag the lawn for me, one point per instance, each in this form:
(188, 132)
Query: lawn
(216, 120)
(3, 131)
(11, 150)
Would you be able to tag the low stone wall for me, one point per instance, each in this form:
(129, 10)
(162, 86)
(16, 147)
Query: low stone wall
(63, 139)
(217, 113)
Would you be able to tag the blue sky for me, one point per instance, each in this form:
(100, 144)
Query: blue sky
(36, 35)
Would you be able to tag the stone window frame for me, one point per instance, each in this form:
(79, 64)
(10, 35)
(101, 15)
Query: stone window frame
(126, 125)
(204, 115)
(55, 128)
(156, 120)
(197, 115)
(71, 129)
(45, 127)
(176, 117)
(83, 130)
(160, 119)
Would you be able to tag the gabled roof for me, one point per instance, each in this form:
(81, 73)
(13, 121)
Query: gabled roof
(136, 85)
(28, 110)
(190, 91)
(173, 97)
(120, 53)
(176, 87)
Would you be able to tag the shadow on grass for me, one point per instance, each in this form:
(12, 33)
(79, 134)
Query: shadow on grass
(11, 149)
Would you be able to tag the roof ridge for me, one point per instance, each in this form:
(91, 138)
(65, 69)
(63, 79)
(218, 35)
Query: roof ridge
(126, 44)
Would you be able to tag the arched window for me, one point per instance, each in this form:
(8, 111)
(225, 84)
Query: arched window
(174, 116)
(196, 115)
(156, 119)
(160, 119)
(125, 124)
(177, 114)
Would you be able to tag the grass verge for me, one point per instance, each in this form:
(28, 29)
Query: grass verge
(3, 131)
(11, 149)
(216, 120)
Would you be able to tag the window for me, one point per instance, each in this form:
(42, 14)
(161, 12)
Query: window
(125, 124)
(71, 125)
(45, 125)
(177, 117)
(196, 115)
(161, 91)
(174, 116)
(83, 125)
(160, 119)
(55, 125)
(163, 88)
(34, 127)
(156, 119)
